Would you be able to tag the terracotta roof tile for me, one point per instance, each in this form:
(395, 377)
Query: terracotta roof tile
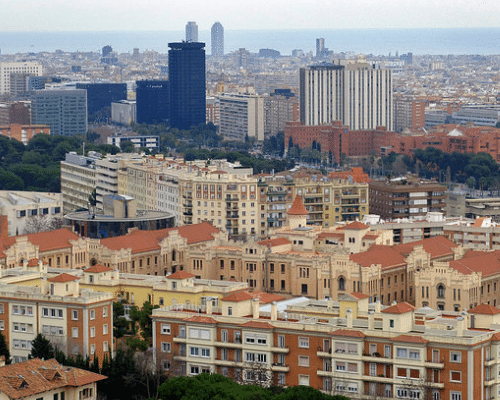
(274, 242)
(33, 377)
(399, 308)
(359, 296)
(266, 298)
(437, 246)
(386, 256)
(98, 268)
(297, 207)
(238, 296)
(486, 309)
(142, 241)
(348, 333)
(180, 275)
(496, 336)
(33, 262)
(355, 226)
(202, 319)
(257, 324)
(46, 241)
(487, 264)
(409, 339)
(63, 278)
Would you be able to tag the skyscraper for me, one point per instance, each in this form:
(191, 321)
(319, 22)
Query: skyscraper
(217, 39)
(186, 62)
(153, 101)
(320, 46)
(354, 92)
(191, 32)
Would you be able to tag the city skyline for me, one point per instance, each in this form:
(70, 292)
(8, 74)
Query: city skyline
(90, 15)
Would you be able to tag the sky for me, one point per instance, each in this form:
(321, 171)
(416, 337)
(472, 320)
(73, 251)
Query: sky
(168, 15)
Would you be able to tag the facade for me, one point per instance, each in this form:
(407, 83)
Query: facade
(15, 113)
(37, 379)
(186, 62)
(241, 116)
(408, 113)
(213, 110)
(217, 40)
(150, 142)
(191, 32)
(404, 198)
(78, 180)
(9, 68)
(21, 206)
(23, 133)
(479, 115)
(353, 92)
(280, 107)
(153, 101)
(76, 322)
(124, 112)
(101, 95)
(349, 347)
(64, 111)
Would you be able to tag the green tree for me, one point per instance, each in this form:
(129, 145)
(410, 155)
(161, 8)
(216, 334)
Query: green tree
(41, 348)
(4, 349)
(127, 146)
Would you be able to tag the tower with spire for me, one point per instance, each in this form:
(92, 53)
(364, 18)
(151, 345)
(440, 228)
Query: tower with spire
(297, 214)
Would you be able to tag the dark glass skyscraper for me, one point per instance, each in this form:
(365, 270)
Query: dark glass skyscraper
(186, 66)
(217, 39)
(153, 101)
(101, 95)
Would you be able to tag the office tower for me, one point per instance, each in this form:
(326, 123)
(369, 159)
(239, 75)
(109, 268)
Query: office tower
(106, 50)
(65, 111)
(320, 46)
(9, 68)
(186, 62)
(191, 32)
(217, 39)
(153, 101)
(101, 95)
(241, 116)
(354, 92)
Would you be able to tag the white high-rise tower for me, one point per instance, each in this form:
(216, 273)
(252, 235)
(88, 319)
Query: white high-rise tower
(217, 39)
(191, 32)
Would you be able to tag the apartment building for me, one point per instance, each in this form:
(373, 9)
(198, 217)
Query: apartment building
(406, 197)
(37, 379)
(280, 106)
(75, 321)
(23, 133)
(9, 68)
(349, 347)
(241, 116)
(19, 207)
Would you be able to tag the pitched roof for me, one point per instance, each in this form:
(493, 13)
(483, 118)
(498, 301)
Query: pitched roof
(384, 255)
(180, 275)
(237, 297)
(487, 264)
(486, 309)
(297, 207)
(257, 324)
(46, 241)
(35, 376)
(355, 226)
(274, 242)
(63, 278)
(359, 296)
(399, 308)
(348, 333)
(436, 246)
(141, 241)
(202, 319)
(410, 339)
(95, 269)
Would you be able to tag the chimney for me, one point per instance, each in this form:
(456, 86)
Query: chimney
(371, 320)
(349, 317)
(255, 308)
(461, 325)
(377, 307)
(209, 306)
(274, 311)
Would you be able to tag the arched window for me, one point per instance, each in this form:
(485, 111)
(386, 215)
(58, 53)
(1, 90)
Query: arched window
(341, 283)
(440, 291)
(173, 255)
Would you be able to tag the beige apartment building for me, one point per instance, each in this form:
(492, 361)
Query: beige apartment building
(241, 116)
(15, 68)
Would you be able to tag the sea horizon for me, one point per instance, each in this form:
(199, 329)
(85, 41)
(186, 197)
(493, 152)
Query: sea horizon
(374, 41)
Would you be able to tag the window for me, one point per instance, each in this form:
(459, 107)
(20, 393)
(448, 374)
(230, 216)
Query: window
(199, 352)
(304, 342)
(387, 351)
(281, 379)
(74, 315)
(373, 369)
(92, 348)
(455, 357)
(105, 347)
(165, 347)
(303, 361)
(74, 332)
(105, 312)
(254, 339)
(92, 314)
(224, 335)
(92, 331)
(165, 329)
(440, 291)
(304, 380)
(391, 323)
(455, 395)
(105, 329)
(455, 376)
(281, 341)
(199, 334)
(256, 357)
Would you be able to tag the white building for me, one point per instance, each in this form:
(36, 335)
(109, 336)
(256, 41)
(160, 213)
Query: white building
(355, 92)
(8, 68)
(241, 115)
(21, 206)
(124, 112)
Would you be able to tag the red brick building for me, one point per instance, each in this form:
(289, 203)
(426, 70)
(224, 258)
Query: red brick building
(23, 133)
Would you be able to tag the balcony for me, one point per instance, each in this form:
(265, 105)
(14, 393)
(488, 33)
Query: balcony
(491, 361)
(378, 379)
(229, 345)
(277, 367)
(324, 354)
(180, 339)
(232, 216)
(276, 192)
(282, 350)
(375, 359)
(434, 365)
